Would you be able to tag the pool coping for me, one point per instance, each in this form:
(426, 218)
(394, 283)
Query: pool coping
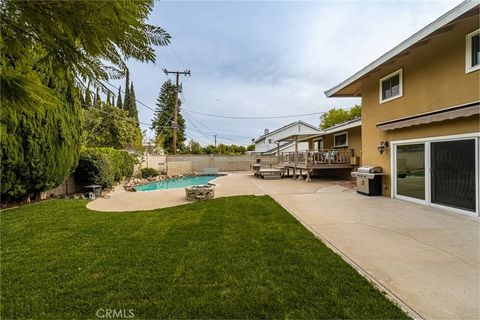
(218, 175)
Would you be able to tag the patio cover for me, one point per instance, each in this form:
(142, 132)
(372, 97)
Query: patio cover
(465, 110)
(300, 137)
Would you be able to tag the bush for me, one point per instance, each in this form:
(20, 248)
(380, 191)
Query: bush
(39, 142)
(149, 172)
(103, 166)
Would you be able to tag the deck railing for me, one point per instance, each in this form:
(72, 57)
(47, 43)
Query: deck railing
(317, 157)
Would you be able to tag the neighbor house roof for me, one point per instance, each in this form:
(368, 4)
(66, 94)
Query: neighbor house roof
(336, 128)
(282, 147)
(344, 126)
(416, 40)
(284, 128)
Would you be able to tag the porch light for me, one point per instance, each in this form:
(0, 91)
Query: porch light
(383, 145)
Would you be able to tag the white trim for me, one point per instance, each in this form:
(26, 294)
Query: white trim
(418, 36)
(339, 134)
(427, 142)
(468, 52)
(344, 126)
(428, 173)
(450, 137)
(400, 83)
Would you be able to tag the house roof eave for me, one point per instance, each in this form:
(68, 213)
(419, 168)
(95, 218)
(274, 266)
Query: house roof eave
(415, 38)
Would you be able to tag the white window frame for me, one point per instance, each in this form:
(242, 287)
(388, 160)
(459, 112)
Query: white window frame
(400, 82)
(468, 52)
(339, 134)
(427, 141)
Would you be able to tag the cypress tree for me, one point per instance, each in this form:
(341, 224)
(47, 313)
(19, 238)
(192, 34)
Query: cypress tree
(163, 118)
(119, 98)
(40, 145)
(88, 98)
(132, 108)
(82, 100)
(98, 99)
(126, 101)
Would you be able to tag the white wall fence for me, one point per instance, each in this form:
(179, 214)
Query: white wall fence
(180, 164)
(184, 164)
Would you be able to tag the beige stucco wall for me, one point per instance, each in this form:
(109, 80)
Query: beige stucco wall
(433, 78)
(354, 141)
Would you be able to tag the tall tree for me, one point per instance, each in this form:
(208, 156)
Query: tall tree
(163, 118)
(98, 99)
(126, 101)
(335, 116)
(108, 97)
(119, 98)
(110, 127)
(48, 49)
(88, 98)
(71, 38)
(131, 107)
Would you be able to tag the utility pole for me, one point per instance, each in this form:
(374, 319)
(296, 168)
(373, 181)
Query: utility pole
(177, 85)
(215, 136)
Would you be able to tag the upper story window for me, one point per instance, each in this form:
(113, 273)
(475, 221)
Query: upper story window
(340, 139)
(391, 86)
(472, 61)
(270, 141)
(299, 128)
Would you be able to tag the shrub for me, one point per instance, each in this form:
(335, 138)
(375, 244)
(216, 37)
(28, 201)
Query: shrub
(39, 142)
(149, 172)
(103, 166)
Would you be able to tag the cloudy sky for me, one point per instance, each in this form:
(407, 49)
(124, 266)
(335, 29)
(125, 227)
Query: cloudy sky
(250, 58)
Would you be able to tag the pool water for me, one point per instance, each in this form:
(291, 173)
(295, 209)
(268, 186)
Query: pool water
(174, 183)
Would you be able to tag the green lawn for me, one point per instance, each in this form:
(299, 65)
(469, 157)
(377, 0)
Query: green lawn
(238, 257)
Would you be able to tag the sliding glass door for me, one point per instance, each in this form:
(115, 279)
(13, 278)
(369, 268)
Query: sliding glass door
(438, 172)
(410, 173)
(453, 174)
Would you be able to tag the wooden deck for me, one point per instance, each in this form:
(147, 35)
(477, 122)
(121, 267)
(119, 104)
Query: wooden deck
(321, 159)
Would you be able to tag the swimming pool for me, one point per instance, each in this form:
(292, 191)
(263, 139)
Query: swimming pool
(174, 183)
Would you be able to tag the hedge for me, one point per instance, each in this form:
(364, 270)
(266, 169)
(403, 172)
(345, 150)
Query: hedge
(149, 172)
(103, 166)
(39, 143)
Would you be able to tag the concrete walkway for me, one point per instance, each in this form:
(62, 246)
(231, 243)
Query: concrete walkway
(427, 259)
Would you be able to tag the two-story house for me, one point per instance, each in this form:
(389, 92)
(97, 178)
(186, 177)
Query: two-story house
(268, 143)
(420, 113)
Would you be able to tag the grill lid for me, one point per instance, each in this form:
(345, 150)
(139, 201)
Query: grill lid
(370, 169)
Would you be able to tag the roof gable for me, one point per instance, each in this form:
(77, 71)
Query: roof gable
(412, 41)
(286, 127)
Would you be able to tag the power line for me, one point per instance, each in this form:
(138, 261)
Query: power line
(254, 118)
(121, 91)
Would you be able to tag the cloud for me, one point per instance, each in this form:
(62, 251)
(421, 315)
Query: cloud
(271, 58)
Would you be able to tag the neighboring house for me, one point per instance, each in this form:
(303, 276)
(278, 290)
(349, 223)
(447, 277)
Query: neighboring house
(347, 135)
(334, 151)
(420, 107)
(267, 143)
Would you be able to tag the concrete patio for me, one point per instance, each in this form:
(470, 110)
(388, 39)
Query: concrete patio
(426, 259)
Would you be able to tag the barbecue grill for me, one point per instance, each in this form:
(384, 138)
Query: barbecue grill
(369, 180)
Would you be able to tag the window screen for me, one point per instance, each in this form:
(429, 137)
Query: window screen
(341, 140)
(391, 87)
(453, 173)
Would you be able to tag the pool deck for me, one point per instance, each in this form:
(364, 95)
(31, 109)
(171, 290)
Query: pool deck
(426, 259)
(233, 184)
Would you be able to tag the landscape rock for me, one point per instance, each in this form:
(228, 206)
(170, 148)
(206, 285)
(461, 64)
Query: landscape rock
(200, 192)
